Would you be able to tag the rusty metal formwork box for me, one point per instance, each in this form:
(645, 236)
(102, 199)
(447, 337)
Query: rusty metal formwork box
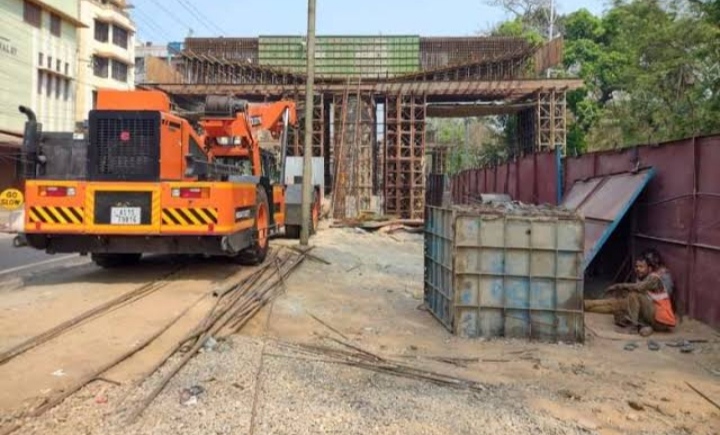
(506, 270)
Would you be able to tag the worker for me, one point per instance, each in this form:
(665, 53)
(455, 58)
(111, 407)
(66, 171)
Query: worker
(616, 304)
(648, 308)
(653, 256)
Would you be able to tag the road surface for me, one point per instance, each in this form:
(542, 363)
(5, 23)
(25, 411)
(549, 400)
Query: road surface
(23, 259)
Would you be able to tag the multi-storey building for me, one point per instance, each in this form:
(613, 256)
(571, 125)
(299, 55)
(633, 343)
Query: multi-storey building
(106, 51)
(38, 47)
(38, 54)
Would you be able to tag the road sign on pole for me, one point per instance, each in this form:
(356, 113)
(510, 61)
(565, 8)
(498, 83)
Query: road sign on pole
(11, 199)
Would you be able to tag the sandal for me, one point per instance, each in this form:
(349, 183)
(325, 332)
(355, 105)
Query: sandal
(630, 347)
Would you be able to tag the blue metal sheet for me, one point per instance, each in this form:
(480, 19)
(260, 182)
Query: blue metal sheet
(489, 274)
(604, 201)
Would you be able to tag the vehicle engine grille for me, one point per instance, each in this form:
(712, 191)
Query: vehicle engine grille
(124, 146)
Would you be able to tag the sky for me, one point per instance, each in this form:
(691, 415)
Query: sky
(161, 21)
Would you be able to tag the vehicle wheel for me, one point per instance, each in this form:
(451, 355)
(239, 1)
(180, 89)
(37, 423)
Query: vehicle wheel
(293, 231)
(110, 261)
(256, 253)
(17, 242)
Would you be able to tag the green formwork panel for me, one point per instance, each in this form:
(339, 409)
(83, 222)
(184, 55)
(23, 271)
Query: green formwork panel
(344, 55)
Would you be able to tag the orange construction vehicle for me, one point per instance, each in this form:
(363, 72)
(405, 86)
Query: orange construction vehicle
(157, 182)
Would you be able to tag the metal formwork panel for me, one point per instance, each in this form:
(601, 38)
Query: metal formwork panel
(491, 273)
(344, 56)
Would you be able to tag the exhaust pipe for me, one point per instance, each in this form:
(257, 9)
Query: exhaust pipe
(31, 143)
(28, 112)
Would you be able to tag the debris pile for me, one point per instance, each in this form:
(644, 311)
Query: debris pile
(517, 208)
(382, 224)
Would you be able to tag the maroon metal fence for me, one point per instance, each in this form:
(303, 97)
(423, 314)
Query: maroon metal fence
(679, 213)
(531, 179)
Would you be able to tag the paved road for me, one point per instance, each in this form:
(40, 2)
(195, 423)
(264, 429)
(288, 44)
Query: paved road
(23, 259)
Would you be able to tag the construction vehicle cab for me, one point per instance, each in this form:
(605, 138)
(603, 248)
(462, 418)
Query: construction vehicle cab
(155, 183)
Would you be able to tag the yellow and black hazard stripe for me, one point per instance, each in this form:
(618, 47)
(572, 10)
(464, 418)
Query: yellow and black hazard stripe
(56, 215)
(189, 216)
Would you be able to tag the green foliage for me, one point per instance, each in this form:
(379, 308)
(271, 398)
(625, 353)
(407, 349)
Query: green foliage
(650, 69)
(468, 148)
(519, 28)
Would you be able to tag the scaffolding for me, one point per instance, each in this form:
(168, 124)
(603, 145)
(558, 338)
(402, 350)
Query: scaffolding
(551, 121)
(353, 156)
(371, 128)
(404, 155)
(296, 142)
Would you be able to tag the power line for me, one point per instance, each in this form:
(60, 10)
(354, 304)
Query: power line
(202, 19)
(171, 14)
(152, 23)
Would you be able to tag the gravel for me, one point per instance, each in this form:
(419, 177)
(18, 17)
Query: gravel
(374, 305)
(297, 397)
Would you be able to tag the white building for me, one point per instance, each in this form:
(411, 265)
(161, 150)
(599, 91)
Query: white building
(38, 47)
(106, 51)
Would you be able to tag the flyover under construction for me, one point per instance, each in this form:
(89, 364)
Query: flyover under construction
(372, 97)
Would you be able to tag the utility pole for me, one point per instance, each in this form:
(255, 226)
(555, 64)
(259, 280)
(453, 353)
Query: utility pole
(551, 31)
(309, 102)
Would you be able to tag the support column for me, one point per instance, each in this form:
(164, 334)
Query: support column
(404, 155)
(551, 112)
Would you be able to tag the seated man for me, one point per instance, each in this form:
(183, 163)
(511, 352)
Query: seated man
(618, 303)
(647, 306)
(654, 257)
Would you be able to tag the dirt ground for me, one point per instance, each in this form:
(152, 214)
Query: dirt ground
(372, 293)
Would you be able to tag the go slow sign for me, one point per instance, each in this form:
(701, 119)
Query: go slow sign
(11, 199)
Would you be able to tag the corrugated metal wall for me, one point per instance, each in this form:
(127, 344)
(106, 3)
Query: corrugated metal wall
(677, 214)
(531, 179)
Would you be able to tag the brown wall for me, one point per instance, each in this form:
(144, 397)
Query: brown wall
(157, 70)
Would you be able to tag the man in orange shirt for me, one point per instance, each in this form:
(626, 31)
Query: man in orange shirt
(648, 307)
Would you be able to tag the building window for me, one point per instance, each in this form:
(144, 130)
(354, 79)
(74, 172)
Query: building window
(49, 62)
(67, 89)
(102, 31)
(58, 65)
(32, 14)
(119, 71)
(40, 79)
(55, 25)
(120, 37)
(101, 66)
(40, 59)
(67, 69)
(58, 86)
(48, 84)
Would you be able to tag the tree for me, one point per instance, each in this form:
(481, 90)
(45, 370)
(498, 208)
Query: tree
(531, 18)
(648, 71)
(651, 68)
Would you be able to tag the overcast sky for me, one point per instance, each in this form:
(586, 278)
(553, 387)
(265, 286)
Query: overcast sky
(170, 20)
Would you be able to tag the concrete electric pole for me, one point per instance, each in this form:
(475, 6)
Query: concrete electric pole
(307, 192)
